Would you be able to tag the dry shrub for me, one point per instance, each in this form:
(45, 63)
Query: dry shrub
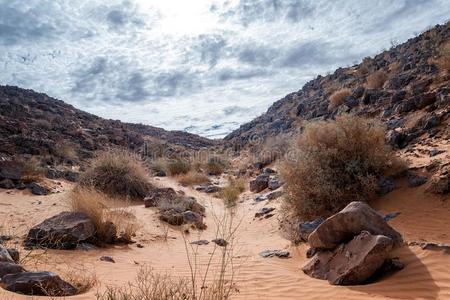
(117, 173)
(230, 193)
(216, 165)
(177, 166)
(334, 163)
(193, 178)
(443, 60)
(376, 79)
(338, 97)
(103, 211)
(158, 166)
(32, 170)
(66, 151)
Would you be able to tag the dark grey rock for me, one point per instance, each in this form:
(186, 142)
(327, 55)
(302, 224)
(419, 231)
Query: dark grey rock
(275, 253)
(274, 184)
(14, 253)
(38, 284)
(391, 216)
(200, 242)
(63, 231)
(7, 184)
(108, 259)
(385, 185)
(38, 189)
(10, 268)
(264, 211)
(260, 183)
(220, 242)
(415, 180)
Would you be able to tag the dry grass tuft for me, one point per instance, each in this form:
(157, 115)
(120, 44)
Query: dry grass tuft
(335, 163)
(230, 193)
(177, 166)
(443, 60)
(117, 173)
(103, 211)
(338, 97)
(216, 165)
(193, 178)
(376, 79)
(32, 170)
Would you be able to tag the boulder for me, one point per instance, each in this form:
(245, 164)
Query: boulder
(274, 184)
(350, 222)
(7, 184)
(38, 189)
(158, 195)
(260, 183)
(10, 268)
(63, 231)
(37, 284)
(352, 263)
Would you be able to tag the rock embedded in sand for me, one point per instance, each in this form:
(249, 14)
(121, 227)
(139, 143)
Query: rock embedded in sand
(352, 263)
(264, 211)
(349, 222)
(7, 184)
(63, 231)
(260, 183)
(200, 242)
(37, 284)
(220, 242)
(108, 259)
(38, 189)
(159, 195)
(275, 253)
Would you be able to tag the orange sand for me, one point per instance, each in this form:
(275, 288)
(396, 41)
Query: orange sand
(423, 217)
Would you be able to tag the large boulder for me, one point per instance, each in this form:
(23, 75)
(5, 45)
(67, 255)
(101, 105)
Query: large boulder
(349, 222)
(37, 284)
(260, 183)
(352, 263)
(63, 231)
(158, 195)
(9, 268)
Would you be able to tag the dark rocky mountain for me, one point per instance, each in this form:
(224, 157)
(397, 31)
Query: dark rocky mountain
(407, 87)
(36, 124)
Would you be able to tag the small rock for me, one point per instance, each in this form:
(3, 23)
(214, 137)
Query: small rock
(38, 189)
(208, 188)
(14, 253)
(415, 180)
(4, 238)
(220, 242)
(274, 195)
(385, 185)
(261, 198)
(7, 184)
(264, 211)
(274, 184)
(200, 242)
(275, 253)
(139, 245)
(4, 255)
(21, 186)
(108, 259)
(391, 216)
(432, 246)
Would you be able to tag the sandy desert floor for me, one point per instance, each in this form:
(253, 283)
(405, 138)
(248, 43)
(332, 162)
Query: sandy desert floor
(422, 218)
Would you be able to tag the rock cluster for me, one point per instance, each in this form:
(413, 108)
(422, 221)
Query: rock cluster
(351, 246)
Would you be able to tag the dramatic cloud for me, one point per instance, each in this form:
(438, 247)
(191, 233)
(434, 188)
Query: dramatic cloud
(204, 66)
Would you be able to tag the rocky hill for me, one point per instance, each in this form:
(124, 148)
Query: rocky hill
(36, 124)
(407, 87)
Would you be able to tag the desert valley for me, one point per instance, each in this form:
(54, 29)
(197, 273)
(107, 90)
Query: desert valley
(340, 190)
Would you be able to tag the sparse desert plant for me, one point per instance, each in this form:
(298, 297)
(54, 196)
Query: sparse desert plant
(193, 178)
(338, 97)
(32, 170)
(230, 193)
(66, 152)
(216, 165)
(443, 59)
(158, 166)
(376, 79)
(117, 173)
(104, 211)
(334, 163)
(177, 167)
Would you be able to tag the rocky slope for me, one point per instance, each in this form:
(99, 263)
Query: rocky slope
(36, 124)
(404, 87)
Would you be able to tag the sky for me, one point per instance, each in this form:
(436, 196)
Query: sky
(202, 66)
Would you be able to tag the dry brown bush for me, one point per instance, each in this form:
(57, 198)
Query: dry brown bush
(117, 173)
(443, 60)
(338, 97)
(32, 170)
(103, 211)
(230, 193)
(177, 166)
(334, 163)
(216, 165)
(193, 178)
(376, 79)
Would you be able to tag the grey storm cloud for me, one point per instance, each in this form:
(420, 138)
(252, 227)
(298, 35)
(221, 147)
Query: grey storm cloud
(207, 67)
(19, 23)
